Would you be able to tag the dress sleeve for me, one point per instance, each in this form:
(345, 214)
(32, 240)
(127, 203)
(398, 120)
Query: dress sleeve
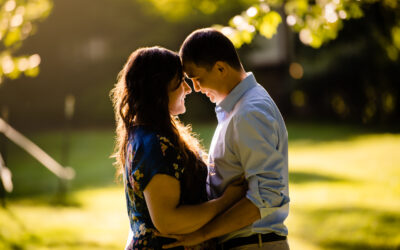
(156, 155)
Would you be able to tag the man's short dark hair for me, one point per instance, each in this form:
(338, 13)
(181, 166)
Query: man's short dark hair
(204, 47)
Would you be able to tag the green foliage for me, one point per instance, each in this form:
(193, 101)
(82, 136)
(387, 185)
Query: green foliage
(317, 22)
(177, 10)
(269, 24)
(17, 22)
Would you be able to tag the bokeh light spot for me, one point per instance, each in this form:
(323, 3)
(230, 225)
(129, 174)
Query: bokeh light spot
(339, 105)
(9, 5)
(298, 98)
(252, 11)
(305, 36)
(16, 20)
(296, 70)
(291, 20)
(7, 65)
(34, 61)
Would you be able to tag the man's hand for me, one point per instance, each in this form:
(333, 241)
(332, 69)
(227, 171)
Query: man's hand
(186, 240)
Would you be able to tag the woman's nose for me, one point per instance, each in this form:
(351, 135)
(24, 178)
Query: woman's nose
(188, 89)
(196, 86)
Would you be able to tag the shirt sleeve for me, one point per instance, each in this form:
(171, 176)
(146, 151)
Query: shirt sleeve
(156, 155)
(257, 139)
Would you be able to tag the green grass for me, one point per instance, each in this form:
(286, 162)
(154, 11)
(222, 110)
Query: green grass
(344, 188)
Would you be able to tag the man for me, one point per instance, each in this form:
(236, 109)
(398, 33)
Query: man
(250, 140)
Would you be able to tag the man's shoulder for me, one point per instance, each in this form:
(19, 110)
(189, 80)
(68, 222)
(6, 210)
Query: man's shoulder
(255, 102)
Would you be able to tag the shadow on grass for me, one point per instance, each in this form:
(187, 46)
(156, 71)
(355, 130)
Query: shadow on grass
(80, 244)
(70, 240)
(16, 244)
(352, 228)
(358, 246)
(325, 132)
(29, 240)
(55, 200)
(23, 238)
(300, 177)
(88, 155)
(90, 151)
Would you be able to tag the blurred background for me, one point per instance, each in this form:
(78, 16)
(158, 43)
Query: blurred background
(331, 66)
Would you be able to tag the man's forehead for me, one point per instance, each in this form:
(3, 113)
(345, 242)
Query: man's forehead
(189, 75)
(192, 70)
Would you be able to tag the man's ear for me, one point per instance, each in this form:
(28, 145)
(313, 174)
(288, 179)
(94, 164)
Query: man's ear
(221, 67)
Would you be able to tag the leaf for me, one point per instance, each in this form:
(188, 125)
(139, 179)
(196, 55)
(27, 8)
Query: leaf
(269, 24)
(32, 72)
(247, 36)
(298, 7)
(208, 7)
(12, 37)
(396, 36)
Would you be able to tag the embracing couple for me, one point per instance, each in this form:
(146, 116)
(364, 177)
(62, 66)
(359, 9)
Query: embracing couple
(177, 196)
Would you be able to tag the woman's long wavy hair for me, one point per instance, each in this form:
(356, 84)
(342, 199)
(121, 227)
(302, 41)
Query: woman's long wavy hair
(140, 97)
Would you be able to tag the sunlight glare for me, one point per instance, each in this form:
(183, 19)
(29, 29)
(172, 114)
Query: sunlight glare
(264, 7)
(342, 14)
(23, 64)
(10, 6)
(227, 31)
(34, 61)
(252, 12)
(16, 20)
(291, 20)
(305, 36)
(238, 20)
(330, 13)
(7, 65)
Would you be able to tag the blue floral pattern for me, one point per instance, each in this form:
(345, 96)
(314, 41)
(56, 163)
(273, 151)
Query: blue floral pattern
(147, 154)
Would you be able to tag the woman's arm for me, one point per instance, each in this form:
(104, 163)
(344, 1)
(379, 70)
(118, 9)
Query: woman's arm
(162, 196)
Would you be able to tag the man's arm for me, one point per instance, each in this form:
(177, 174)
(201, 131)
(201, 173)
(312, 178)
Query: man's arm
(240, 215)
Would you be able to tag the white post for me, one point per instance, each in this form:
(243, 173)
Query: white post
(67, 173)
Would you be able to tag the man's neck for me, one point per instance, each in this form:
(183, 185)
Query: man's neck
(234, 80)
(231, 82)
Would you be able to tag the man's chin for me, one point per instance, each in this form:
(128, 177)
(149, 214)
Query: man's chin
(211, 98)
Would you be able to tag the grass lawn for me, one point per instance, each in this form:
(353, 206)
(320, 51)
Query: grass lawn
(344, 188)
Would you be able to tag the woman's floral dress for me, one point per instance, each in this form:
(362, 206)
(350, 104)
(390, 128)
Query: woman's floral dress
(147, 154)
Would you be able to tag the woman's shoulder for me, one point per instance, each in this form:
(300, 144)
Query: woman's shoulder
(149, 139)
(140, 135)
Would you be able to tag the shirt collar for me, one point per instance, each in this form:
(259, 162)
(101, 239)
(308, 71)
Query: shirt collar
(233, 97)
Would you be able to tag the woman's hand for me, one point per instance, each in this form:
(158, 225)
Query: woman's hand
(187, 240)
(234, 191)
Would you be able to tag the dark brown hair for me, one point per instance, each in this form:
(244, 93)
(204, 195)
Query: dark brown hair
(140, 97)
(204, 47)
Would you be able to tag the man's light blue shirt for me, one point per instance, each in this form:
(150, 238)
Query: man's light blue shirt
(251, 139)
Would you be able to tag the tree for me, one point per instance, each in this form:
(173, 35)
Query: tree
(317, 22)
(351, 77)
(18, 20)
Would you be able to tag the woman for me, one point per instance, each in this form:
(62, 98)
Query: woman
(164, 173)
